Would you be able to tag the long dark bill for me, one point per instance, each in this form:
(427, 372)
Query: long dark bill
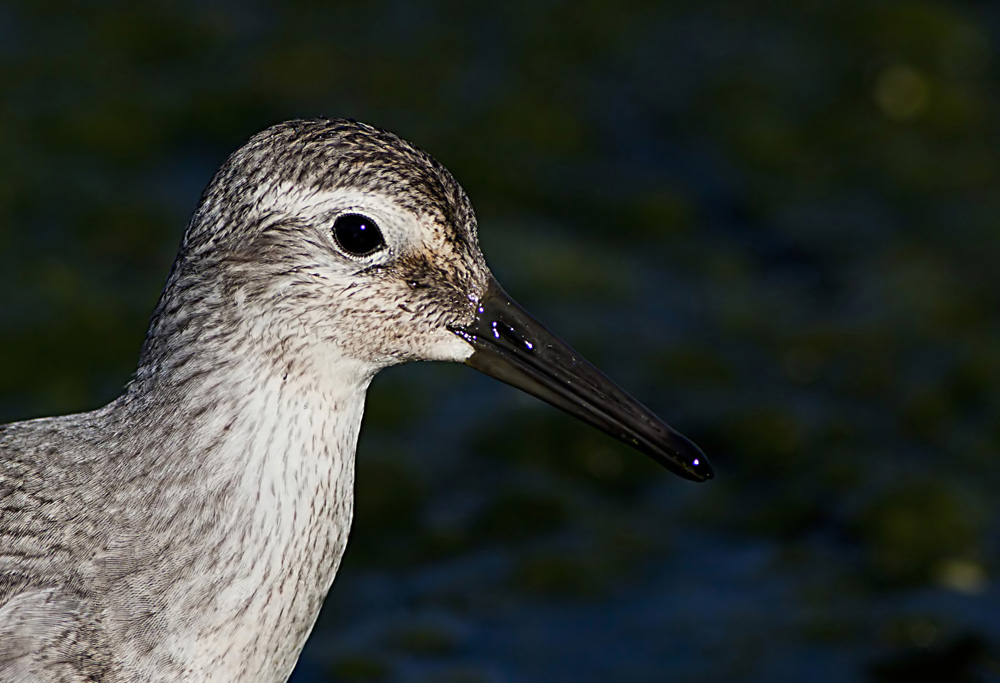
(513, 347)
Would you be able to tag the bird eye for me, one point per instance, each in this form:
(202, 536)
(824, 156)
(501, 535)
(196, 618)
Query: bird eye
(357, 235)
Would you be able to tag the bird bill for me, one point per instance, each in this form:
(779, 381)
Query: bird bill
(513, 347)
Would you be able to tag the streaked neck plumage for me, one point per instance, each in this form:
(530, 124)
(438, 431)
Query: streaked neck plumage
(256, 484)
(253, 476)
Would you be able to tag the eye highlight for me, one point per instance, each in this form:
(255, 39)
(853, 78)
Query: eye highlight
(357, 235)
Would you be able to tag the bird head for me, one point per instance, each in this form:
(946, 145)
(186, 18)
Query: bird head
(328, 242)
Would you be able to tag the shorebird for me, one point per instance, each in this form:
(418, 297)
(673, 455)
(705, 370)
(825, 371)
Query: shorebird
(190, 529)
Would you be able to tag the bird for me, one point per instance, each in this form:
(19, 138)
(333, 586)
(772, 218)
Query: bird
(190, 529)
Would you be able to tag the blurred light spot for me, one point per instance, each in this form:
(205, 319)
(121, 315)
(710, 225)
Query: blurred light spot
(963, 576)
(901, 92)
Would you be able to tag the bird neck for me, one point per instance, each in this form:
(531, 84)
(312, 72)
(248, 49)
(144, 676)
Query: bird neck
(253, 485)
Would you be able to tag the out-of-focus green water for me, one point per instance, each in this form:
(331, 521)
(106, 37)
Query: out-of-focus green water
(776, 225)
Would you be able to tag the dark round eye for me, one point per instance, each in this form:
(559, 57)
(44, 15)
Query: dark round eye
(357, 235)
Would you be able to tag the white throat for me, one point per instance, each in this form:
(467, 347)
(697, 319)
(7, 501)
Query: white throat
(267, 513)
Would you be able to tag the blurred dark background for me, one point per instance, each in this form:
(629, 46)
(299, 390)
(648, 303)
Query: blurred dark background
(777, 227)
